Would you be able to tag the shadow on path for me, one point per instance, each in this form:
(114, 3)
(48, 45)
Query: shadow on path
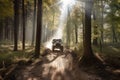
(54, 66)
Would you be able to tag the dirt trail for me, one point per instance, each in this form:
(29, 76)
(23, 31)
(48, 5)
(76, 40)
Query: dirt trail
(55, 66)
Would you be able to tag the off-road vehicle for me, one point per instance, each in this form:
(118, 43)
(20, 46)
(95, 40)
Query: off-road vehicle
(57, 44)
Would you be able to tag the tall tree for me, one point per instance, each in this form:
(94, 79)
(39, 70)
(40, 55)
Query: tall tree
(75, 19)
(113, 19)
(114, 36)
(6, 28)
(34, 23)
(39, 29)
(76, 33)
(95, 26)
(88, 57)
(87, 30)
(102, 24)
(68, 29)
(95, 38)
(1, 30)
(16, 23)
(24, 21)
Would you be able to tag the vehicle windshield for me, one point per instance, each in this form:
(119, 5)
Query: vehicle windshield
(57, 40)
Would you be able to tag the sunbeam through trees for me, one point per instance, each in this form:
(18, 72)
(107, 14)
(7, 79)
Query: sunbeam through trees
(59, 39)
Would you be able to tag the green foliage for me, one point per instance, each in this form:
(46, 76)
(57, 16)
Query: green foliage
(50, 14)
(6, 8)
(111, 19)
(8, 57)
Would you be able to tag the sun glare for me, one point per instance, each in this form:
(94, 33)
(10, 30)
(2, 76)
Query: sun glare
(65, 5)
(68, 2)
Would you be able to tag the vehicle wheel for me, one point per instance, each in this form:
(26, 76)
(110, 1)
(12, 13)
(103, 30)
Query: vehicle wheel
(53, 49)
(62, 48)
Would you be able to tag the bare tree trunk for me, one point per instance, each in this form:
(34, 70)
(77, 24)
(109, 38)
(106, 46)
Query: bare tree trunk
(88, 58)
(76, 33)
(3, 24)
(102, 27)
(6, 29)
(83, 22)
(53, 18)
(1, 30)
(34, 24)
(16, 23)
(102, 37)
(68, 34)
(12, 33)
(39, 29)
(24, 22)
(95, 29)
(68, 29)
(114, 34)
(95, 39)
(87, 29)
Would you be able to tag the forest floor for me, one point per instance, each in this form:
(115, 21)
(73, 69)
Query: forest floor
(58, 66)
(54, 66)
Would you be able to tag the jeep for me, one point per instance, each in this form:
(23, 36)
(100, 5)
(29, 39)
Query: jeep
(57, 44)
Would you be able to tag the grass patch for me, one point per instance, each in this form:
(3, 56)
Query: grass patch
(8, 57)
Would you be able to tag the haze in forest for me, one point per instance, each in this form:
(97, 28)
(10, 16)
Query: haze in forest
(65, 6)
(59, 39)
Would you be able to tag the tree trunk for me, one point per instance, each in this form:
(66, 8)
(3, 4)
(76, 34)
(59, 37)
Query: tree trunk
(3, 24)
(12, 32)
(114, 34)
(87, 30)
(83, 22)
(68, 29)
(1, 30)
(76, 33)
(34, 24)
(95, 29)
(24, 22)
(95, 39)
(39, 29)
(53, 18)
(6, 29)
(88, 58)
(102, 28)
(68, 34)
(16, 23)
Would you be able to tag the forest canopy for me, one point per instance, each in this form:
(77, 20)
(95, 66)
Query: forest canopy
(6, 8)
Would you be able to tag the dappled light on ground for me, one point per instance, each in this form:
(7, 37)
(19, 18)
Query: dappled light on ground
(59, 65)
(54, 66)
(115, 49)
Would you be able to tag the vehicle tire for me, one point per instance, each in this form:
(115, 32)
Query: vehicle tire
(61, 48)
(53, 49)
